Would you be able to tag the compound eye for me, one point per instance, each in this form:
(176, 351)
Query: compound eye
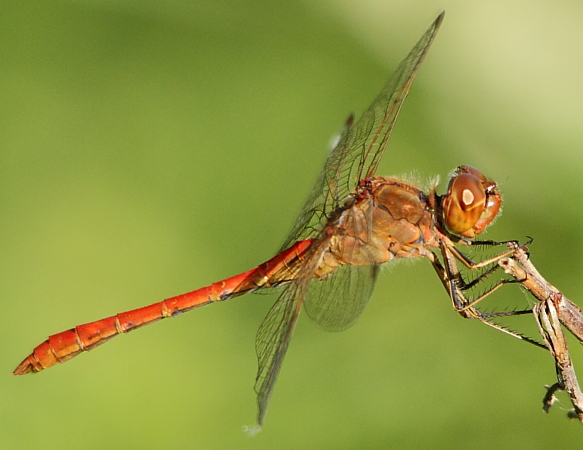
(464, 204)
(471, 202)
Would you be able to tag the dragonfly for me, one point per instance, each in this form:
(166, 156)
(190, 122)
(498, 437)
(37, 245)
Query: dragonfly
(351, 224)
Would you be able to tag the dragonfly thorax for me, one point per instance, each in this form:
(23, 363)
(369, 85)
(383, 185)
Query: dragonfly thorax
(387, 219)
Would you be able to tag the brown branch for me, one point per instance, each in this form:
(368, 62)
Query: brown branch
(552, 310)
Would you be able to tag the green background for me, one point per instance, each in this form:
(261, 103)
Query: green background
(148, 148)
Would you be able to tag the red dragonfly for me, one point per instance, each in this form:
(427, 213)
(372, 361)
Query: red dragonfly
(351, 224)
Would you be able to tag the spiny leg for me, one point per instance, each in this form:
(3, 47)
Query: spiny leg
(456, 282)
(450, 277)
(453, 273)
(449, 250)
(467, 262)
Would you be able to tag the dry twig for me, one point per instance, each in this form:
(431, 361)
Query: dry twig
(552, 310)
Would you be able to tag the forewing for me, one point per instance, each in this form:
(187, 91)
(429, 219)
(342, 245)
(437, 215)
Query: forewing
(361, 146)
(365, 147)
(336, 302)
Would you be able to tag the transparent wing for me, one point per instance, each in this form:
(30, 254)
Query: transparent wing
(336, 302)
(275, 332)
(328, 308)
(361, 146)
(271, 345)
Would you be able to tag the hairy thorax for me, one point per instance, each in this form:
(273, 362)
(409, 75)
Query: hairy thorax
(386, 219)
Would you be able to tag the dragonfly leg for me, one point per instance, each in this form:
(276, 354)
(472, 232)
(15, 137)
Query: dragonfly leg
(468, 263)
(465, 285)
(512, 246)
(448, 251)
(484, 318)
(453, 282)
(457, 285)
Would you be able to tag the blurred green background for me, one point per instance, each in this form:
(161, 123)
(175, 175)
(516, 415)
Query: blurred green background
(152, 147)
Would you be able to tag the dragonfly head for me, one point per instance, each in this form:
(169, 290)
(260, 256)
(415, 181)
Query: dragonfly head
(471, 202)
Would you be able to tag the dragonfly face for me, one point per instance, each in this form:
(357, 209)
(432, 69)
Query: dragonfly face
(471, 202)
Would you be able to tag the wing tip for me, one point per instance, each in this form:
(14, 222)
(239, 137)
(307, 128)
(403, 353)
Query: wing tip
(252, 431)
